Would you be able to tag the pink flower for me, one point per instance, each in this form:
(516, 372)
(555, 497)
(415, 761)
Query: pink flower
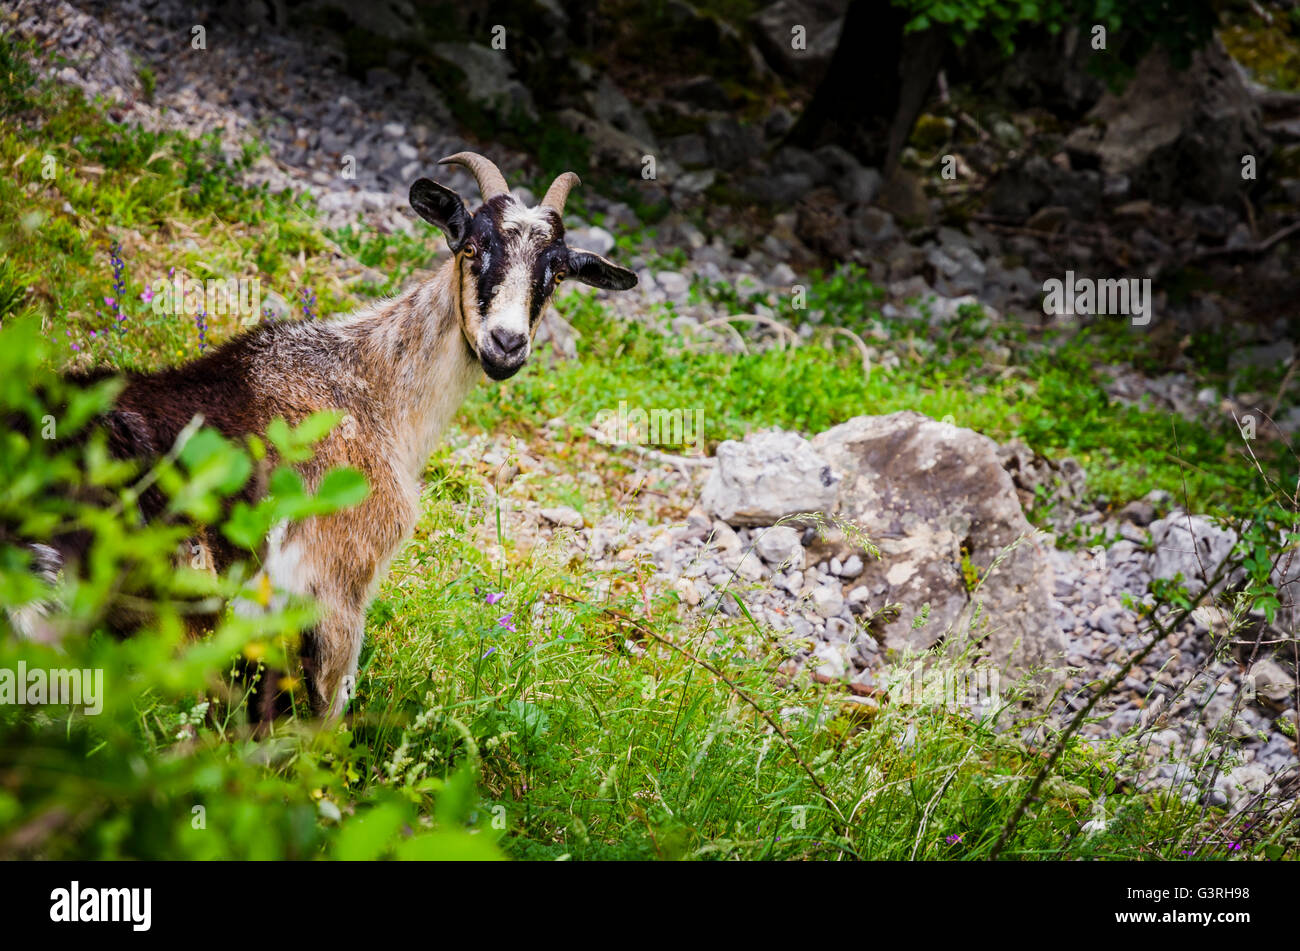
(109, 302)
(146, 295)
(495, 596)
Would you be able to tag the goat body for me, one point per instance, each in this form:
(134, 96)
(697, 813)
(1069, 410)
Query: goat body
(398, 370)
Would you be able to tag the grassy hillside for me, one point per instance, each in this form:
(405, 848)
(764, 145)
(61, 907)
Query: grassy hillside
(511, 701)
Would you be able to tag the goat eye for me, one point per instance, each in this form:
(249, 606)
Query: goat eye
(559, 276)
(469, 250)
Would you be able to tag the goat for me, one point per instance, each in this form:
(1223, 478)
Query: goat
(398, 369)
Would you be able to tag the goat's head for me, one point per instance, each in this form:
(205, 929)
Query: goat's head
(509, 260)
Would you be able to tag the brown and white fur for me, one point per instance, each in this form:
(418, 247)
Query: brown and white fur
(399, 370)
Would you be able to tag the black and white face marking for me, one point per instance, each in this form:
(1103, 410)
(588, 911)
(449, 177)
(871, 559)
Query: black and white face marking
(509, 260)
(512, 257)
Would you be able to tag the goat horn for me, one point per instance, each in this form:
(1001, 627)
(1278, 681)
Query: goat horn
(490, 180)
(558, 193)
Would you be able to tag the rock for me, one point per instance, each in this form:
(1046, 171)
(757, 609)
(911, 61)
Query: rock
(791, 582)
(822, 223)
(563, 515)
(822, 19)
(1271, 681)
(923, 491)
(782, 276)
(839, 630)
(673, 283)
(779, 121)
(782, 188)
(781, 546)
(732, 143)
(746, 564)
(873, 226)
(827, 600)
(851, 568)
(852, 182)
(767, 477)
(592, 238)
(559, 333)
(725, 539)
(833, 664)
(1170, 128)
(608, 104)
(1269, 355)
(690, 150)
(1175, 554)
(1244, 783)
(1139, 512)
(903, 196)
(609, 145)
(489, 79)
(694, 183)
(703, 92)
(1048, 218)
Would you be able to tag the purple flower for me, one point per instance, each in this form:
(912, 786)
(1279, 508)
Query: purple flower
(506, 621)
(119, 282)
(495, 596)
(146, 295)
(953, 839)
(201, 320)
(489, 651)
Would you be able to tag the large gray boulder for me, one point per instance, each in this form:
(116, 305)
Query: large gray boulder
(822, 22)
(1193, 547)
(924, 491)
(1177, 134)
(767, 477)
(489, 79)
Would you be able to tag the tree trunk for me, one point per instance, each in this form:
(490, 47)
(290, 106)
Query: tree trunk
(875, 87)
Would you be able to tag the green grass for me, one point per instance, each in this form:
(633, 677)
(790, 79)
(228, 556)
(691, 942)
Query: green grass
(594, 728)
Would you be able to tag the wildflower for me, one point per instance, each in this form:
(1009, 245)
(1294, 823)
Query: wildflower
(489, 651)
(119, 282)
(495, 596)
(201, 320)
(953, 839)
(146, 295)
(506, 621)
(308, 297)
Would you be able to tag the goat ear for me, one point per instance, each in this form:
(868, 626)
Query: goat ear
(594, 270)
(442, 207)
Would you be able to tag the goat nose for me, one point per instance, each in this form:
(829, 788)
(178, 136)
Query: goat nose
(509, 342)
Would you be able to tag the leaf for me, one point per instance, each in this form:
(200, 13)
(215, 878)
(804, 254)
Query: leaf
(343, 487)
(449, 846)
(365, 837)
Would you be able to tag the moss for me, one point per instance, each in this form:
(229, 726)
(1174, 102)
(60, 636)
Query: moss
(1271, 53)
